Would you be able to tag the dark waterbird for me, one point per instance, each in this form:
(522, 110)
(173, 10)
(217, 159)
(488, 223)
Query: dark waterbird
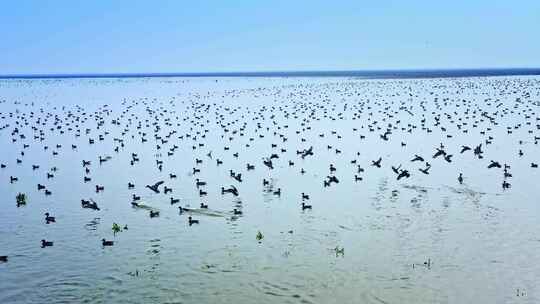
(155, 187)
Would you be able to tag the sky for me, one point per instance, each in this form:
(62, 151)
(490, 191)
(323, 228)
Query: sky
(67, 37)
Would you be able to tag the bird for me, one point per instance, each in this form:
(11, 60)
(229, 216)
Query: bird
(90, 205)
(49, 219)
(304, 206)
(417, 158)
(426, 169)
(403, 173)
(232, 190)
(377, 163)
(439, 152)
(154, 213)
(494, 164)
(155, 187)
(237, 212)
(45, 243)
(191, 221)
(184, 209)
(305, 196)
(199, 183)
(104, 243)
(460, 178)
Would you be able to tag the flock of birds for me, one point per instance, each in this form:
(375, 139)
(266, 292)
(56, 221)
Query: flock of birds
(296, 111)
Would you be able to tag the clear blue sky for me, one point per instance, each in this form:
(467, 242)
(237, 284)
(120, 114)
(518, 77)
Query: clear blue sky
(249, 35)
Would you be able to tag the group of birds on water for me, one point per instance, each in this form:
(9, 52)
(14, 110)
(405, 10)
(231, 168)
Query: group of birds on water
(191, 121)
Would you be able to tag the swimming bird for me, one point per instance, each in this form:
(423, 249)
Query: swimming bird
(232, 190)
(199, 183)
(104, 243)
(191, 221)
(49, 219)
(268, 163)
(464, 148)
(45, 243)
(90, 205)
(155, 187)
(403, 173)
(304, 206)
(439, 152)
(417, 158)
(494, 164)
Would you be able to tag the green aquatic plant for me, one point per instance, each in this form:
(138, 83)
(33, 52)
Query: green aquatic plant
(259, 236)
(21, 199)
(116, 228)
(339, 251)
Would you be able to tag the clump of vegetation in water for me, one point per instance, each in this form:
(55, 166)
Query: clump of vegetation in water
(116, 228)
(339, 251)
(21, 199)
(259, 236)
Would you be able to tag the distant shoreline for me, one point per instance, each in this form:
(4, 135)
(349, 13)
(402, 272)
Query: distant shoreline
(368, 74)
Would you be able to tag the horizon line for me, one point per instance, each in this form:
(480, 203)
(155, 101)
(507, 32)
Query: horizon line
(367, 73)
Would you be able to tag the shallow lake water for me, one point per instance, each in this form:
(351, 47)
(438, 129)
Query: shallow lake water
(422, 239)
